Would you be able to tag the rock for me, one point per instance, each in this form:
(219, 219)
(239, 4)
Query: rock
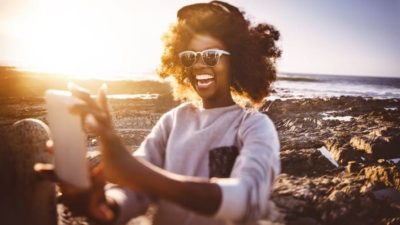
(341, 151)
(381, 161)
(380, 143)
(336, 196)
(304, 162)
(304, 221)
(391, 221)
(387, 176)
(291, 204)
(309, 190)
(352, 167)
(368, 187)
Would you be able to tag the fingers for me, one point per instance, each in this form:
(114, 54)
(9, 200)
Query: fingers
(82, 94)
(92, 125)
(100, 119)
(84, 109)
(90, 202)
(102, 99)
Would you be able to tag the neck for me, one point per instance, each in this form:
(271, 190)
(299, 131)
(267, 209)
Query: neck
(216, 103)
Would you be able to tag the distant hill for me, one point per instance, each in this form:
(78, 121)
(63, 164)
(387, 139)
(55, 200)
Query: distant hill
(14, 83)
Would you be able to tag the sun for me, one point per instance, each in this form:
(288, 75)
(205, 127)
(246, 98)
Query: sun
(88, 39)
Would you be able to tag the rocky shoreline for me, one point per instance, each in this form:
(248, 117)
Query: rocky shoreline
(360, 135)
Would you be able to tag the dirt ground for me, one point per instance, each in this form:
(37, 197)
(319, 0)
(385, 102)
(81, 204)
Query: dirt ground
(360, 135)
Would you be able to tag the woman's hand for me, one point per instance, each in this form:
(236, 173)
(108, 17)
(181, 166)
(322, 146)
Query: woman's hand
(95, 114)
(97, 120)
(123, 169)
(91, 202)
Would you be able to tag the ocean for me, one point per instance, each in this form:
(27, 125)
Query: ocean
(309, 86)
(312, 85)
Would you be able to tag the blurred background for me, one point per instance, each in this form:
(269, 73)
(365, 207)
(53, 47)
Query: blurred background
(121, 40)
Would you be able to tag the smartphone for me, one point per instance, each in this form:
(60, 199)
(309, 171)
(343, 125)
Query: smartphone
(70, 141)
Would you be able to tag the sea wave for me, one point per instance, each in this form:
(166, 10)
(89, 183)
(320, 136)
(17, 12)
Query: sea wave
(333, 86)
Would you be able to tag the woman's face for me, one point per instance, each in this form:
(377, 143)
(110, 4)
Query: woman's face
(211, 83)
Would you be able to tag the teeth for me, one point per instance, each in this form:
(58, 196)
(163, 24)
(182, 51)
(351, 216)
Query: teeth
(204, 77)
(204, 84)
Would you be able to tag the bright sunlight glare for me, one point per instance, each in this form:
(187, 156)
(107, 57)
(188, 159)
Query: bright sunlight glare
(110, 39)
(81, 38)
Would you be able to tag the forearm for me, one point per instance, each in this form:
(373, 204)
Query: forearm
(196, 194)
(201, 196)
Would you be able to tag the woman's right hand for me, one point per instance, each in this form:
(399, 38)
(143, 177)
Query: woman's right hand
(91, 202)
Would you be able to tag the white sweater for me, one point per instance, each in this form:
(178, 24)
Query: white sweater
(180, 143)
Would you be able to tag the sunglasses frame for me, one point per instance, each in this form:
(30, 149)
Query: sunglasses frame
(218, 51)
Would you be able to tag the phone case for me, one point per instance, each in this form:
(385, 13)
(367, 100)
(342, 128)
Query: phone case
(69, 139)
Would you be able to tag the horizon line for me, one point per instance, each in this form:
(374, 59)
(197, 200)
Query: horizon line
(92, 76)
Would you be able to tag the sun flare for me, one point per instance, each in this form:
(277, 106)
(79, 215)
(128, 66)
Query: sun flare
(76, 38)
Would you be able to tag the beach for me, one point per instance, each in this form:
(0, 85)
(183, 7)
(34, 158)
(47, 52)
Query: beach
(339, 154)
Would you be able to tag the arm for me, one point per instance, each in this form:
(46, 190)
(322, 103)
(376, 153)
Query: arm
(143, 172)
(204, 196)
(246, 192)
(138, 174)
(134, 172)
(244, 196)
(133, 203)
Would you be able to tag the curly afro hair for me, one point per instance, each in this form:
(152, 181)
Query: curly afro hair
(253, 49)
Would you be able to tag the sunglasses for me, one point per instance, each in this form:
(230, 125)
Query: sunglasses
(210, 57)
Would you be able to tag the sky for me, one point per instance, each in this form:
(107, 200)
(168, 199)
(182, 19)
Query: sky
(111, 39)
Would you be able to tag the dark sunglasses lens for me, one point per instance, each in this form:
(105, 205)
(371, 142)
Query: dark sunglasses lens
(188, 58)
(210, 58)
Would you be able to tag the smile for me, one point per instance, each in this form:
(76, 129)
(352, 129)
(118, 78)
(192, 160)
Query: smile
(204, 80)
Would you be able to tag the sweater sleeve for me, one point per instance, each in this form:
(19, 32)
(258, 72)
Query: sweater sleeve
(131, 203)
(245, 195)
(153, 147)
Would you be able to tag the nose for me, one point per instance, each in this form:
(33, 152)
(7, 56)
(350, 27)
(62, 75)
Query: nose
(199, 62)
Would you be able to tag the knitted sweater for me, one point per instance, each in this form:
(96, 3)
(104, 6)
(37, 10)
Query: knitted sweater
(237, 149)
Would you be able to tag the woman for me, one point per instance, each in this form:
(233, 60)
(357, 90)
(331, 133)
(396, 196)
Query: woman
(208, 163)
